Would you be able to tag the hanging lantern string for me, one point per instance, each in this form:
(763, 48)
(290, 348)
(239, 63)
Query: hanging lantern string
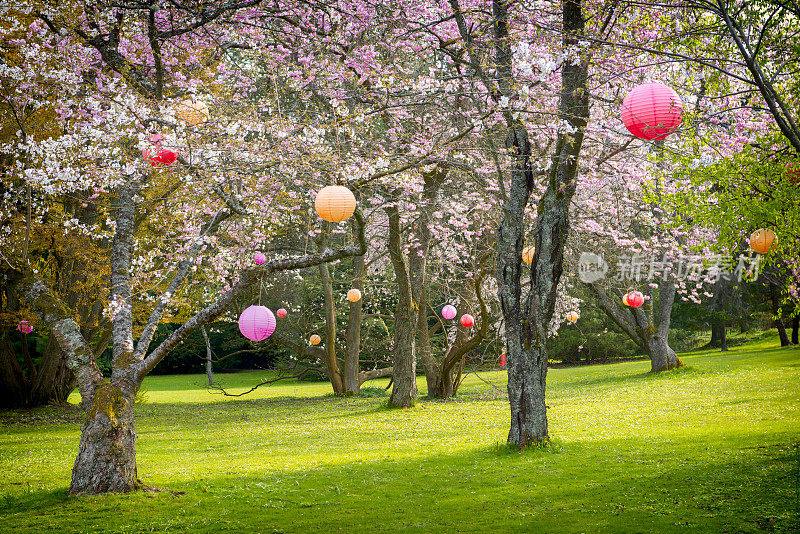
(260, 288)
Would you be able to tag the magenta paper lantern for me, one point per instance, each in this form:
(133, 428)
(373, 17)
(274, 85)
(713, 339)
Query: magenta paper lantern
(467, 320)
(448, 312)
(164, 157)
(282, 313)
(25, 327)
(652, 111)
(259, 258)
(257, 323)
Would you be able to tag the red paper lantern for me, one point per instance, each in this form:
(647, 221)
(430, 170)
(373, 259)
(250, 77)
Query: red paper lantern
(25, 327)
(315, 339)
(282, 312)
(467, 320)
(652, 111)
(792, 172)
(164, 157)
(634, 299)
(259, 258)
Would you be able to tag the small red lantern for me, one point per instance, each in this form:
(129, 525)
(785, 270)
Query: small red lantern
(652, 111)
(792, 172)
(25, 327)
(467, 320)
(163, 158)
(282, 312)
(259, 258)
(634, 299)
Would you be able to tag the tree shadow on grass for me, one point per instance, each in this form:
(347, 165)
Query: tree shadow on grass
(565, 487)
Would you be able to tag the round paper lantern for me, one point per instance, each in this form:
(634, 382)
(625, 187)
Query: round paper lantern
(572, 317)
(763, 241)
(259, 258)
(257, 323)
(192, 111)
(634, 299)
(527, 254)
(281, 313)
(335, 203)
(467, 320)
(163, 158)
(449, 311)
(354, 295)
(25, 327)
(314, 339)
(652, 111)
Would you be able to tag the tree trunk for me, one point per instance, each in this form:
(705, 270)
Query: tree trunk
(526, 334)
(404, 375)
(723, 339)
(209, 364)
(795, 330)
(12, 378)
(352, 385)
(106, 459)
(418, 265)
(782, 332)
(331, 363)
(716, 337)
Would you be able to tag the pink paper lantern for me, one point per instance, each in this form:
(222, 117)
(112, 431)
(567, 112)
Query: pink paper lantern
(259, 258)
(448, 312)
(25, 327)
(257, 323)
(467, 320)
(282, 313)
(652, 111)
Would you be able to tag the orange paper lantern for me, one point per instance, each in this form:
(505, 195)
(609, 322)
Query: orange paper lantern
(315, 339)
(335, 203)
(527, 254)
(763, 241)
(572, 317)
(192, 111)
(354, 295)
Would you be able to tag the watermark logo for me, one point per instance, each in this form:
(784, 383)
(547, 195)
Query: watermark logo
(591, 267)
(639, 267)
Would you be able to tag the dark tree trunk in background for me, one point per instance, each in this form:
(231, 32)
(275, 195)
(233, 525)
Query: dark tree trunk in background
(331, 363)
(782, 332)
(404, 376)
(209, 363)
(418, 265)
(351, 359)
(796, 330)
(723, 339)
(12, 378)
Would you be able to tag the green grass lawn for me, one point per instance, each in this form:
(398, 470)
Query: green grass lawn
(708, 448)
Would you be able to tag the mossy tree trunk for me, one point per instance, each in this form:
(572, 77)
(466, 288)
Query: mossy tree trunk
(106, 459)
(404, 375)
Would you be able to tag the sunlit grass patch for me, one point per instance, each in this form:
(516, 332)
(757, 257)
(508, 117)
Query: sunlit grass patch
(711, 447)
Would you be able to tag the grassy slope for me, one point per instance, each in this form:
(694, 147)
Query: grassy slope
(707, 448)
